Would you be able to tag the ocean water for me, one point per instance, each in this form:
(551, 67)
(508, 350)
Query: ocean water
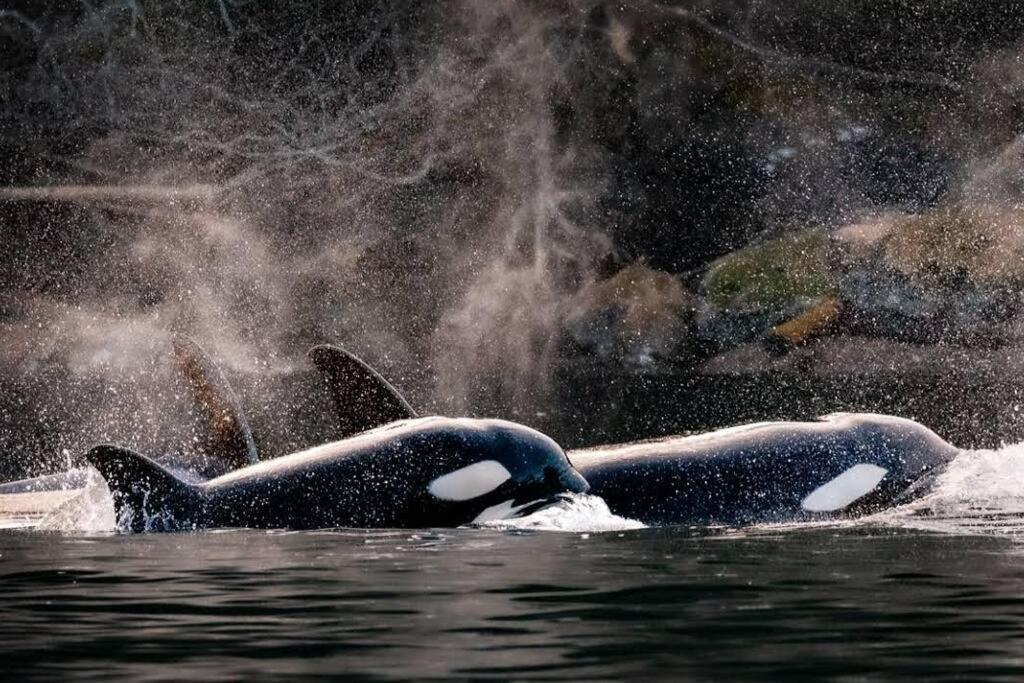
(932, 591)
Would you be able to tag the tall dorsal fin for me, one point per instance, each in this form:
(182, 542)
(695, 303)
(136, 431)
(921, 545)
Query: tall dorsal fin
(146, 496)
(227, 443)
(363, 399)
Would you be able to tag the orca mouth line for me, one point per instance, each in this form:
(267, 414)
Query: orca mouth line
(540, 504)
(509, 510)
(536, 505)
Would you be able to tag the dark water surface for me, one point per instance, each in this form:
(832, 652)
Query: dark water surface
(843, 604)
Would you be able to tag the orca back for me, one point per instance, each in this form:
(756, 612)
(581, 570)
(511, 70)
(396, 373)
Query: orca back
(842, 465)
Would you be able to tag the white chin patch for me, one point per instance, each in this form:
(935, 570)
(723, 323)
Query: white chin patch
(470, 481)
(836, 494)
(500, 511)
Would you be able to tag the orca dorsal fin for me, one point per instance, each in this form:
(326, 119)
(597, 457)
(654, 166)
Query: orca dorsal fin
(227, 444)
(362, 398)
(146, 496)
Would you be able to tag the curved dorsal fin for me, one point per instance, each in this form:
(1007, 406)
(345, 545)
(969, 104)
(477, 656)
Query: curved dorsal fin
(363, 399)
(227, 442)
(147, 497)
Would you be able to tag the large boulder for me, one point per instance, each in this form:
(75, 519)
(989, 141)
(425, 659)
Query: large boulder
(750, 291)
(638, 315)
(954, 274)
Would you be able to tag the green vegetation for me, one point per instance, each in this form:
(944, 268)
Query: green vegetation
(771, 274)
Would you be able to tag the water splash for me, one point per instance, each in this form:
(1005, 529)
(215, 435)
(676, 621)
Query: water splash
(574, 513)
(982, 492)
(398, 179)
(90, 510)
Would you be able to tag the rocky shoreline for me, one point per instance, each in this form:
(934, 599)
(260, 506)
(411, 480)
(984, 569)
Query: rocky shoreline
(608, 221)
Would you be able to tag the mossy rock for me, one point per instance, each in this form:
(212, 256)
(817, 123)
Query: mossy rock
(771, 275)
(638, 314)
(978, 243)
(953, 274)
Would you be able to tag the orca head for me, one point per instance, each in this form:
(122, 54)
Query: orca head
(493, 469)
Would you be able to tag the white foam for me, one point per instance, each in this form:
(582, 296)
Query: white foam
(575, 512)
(981, 492)
(90, 510)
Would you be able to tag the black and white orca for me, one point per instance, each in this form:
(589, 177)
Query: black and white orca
(410, 472)
(74, 478)
(428, 472)
(842, 465)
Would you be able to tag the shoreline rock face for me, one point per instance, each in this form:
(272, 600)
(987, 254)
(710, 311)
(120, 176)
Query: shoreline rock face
(953, 275)
(819, 191)
(749, 291)
(637, 316)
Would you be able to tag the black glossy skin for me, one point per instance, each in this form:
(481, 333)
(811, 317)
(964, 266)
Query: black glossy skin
(378, 479)
(761, 473)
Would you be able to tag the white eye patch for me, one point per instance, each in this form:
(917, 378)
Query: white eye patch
(837, 493)
(470, 481)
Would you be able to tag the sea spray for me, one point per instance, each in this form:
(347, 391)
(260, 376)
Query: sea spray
(89, 511)
(576, 512)
(981, 492)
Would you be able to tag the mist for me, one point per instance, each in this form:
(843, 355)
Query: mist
(443, 189)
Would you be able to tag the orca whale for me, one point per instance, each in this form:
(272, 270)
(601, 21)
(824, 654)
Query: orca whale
(410, 472)
(842, 465)
(430, 472)
(74, 478)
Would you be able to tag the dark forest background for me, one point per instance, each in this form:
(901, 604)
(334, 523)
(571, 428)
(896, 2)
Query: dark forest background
(606, 220)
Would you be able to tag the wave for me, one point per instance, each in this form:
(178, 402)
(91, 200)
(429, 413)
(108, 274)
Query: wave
(981, 492)
(576, 512)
